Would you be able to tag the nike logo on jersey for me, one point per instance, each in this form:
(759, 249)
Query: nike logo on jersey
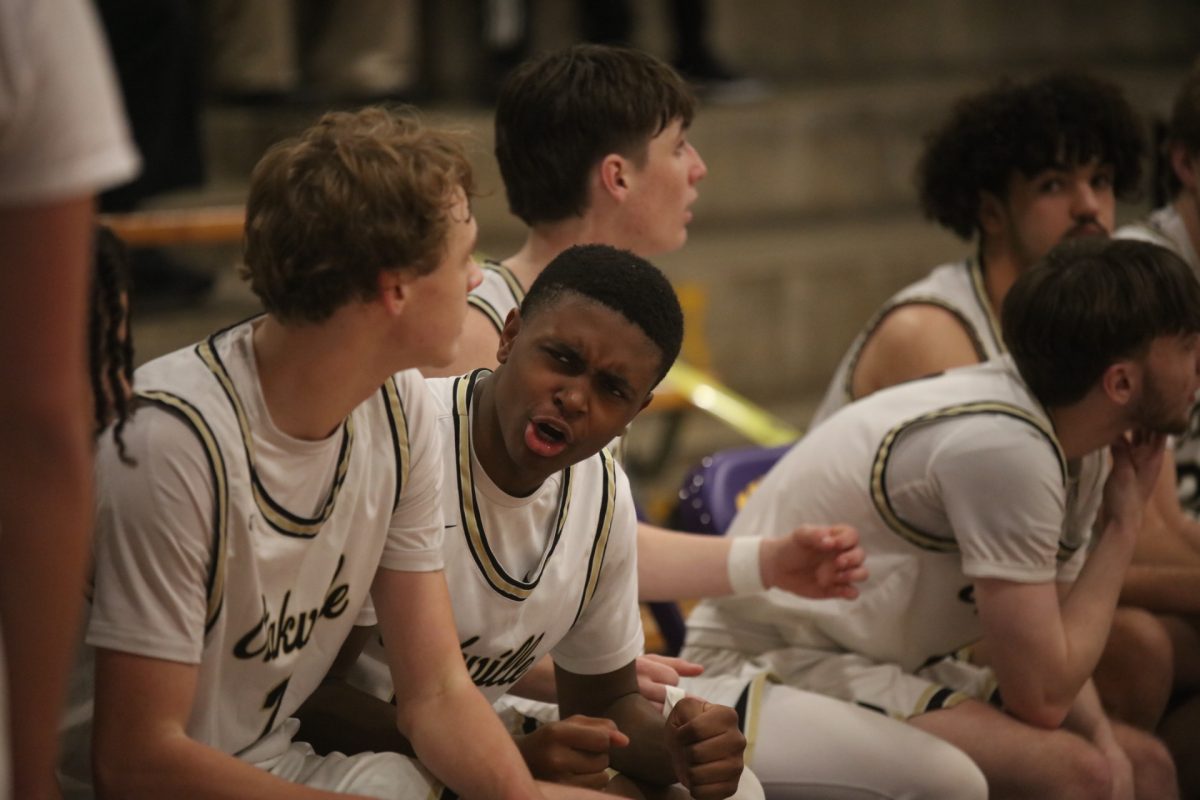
(287, 631)
(504, 669)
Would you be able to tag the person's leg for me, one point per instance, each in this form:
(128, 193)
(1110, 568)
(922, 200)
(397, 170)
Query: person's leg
(811, 746)
(254, 46)
(1135, 673)
(1153, 768)
(1178, 730)
(368, 49)
(606, 21)
(1020, 761)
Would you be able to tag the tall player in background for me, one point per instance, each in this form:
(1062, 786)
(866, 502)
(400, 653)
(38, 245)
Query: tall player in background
(63, 138)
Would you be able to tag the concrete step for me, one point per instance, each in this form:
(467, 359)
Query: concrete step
(847, 149)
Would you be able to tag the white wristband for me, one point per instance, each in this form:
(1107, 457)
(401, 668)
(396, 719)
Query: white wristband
(745, 574)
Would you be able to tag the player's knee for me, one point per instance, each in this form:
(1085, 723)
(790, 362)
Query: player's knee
(1154, 768)
(1083, 772)
(1137, 670)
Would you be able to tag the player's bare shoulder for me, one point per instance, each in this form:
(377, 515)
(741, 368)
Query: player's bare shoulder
(911, 341)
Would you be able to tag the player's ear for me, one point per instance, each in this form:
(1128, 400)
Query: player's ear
(1122, 381)
(1184, 165)
(392, 285)
(613, 175)
(991, 214)
(512, 326)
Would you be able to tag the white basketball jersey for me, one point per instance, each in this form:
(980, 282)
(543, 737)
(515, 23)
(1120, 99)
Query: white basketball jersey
(283, 587)
(551, 573)
(957, 288)
(497, 294)
(1019, 513)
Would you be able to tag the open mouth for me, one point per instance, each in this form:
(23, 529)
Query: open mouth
(546, 438)
(549, 432)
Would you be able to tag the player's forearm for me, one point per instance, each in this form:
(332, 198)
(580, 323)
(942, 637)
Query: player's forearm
(646, 757)
(175, 766)
(674, 566)
(45, 522)
(1087, 608)
(472, 753)
(1162, 589)
(1087, 717)
(341, 717)
(538, 683)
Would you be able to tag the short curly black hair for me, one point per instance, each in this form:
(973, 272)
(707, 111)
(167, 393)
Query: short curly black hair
(620, 280)
(1062, 118)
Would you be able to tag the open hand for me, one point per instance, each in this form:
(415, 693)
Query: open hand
(817, 561)
(655, 673)
(573, 751)
(706, 748)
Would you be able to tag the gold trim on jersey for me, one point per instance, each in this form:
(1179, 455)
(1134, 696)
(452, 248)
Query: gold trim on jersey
(910, 300)
(753, 711)
(603, 529)
(514, 288)
(883, 503)
(472, 522)
(277, 516)
(975, 270)
(937, 697)
(488, 310)
(215, 581)
(398, 420)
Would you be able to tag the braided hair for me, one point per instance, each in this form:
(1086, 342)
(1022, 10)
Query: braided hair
(110, 345)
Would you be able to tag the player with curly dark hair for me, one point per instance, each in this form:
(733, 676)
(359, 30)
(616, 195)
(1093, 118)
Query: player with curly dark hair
(1018, 167)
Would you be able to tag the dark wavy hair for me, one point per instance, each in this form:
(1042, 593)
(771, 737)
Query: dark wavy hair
(1091, 302)
(559, 114)
(620, 280)
(1182, 128)
(110, 341)
(1065, 118)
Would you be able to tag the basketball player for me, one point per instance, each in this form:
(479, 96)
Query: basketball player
(611, 164)
(975, 493)
(277, 472)
(543, 561)
(1165, 575)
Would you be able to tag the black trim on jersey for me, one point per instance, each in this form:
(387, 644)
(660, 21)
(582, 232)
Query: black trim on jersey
(603, 528)
(488, 310)
(274, 514)
(877, 320)
(468, 502)
(514, 288)
(878, 485)
(974, 269)
(214, 585)
(394, 407)
(740, 707)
